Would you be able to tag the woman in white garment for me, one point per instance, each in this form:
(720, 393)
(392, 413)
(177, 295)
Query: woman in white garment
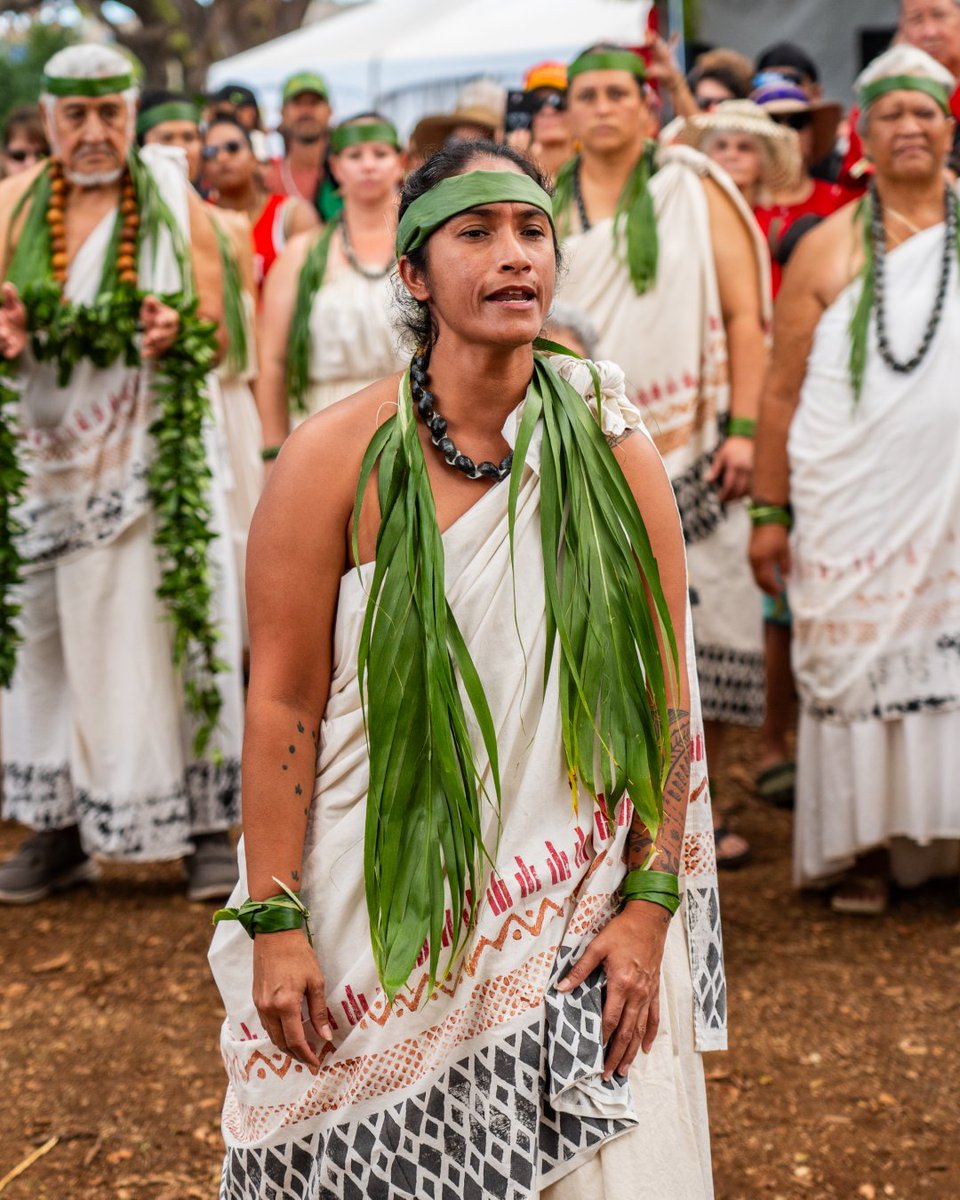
(326, 327)
(495, 1000)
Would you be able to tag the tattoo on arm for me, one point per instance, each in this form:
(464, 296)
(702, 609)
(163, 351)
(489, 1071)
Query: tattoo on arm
(615, 439)
(676, 792)
(295, 876)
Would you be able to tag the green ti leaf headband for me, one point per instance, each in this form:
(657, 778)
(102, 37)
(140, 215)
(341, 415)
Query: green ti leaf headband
(59, 85)
(459, 194)
(905, 83)
(354, 135)
(608, 60)
(176, 110)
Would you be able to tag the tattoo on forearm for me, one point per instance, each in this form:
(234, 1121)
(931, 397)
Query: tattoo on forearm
(669, 841)
(310, 753)
(295, 876)
(614, 439)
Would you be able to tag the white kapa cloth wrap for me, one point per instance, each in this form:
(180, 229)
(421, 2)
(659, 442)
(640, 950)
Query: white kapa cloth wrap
(671, 343)
(493, 1082)
(87, 447)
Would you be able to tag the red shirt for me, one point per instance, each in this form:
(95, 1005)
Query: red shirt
(268, 237)
(825, 199)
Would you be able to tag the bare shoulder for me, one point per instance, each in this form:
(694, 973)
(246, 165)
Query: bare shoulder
(721, 206)
(828, 258)
(321, 460)
(12, 191)
(644, 471)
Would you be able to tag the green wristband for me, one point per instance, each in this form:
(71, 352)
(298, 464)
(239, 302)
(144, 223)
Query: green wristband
(770, 514)
(657, 887)
(269, 453)
(276, 914)
(741, 427)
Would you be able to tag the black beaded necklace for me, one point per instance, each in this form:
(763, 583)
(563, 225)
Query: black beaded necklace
(578, 197)
(879, 237)
(425, 402)
(351, 256)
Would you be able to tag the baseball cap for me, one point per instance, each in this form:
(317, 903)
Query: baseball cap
(305, 81)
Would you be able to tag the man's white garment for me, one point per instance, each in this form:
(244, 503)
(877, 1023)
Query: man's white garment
(875, 585)
(672, 345)
(490, 1086)
(95, 731)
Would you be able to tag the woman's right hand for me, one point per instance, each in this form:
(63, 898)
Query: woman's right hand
(285, 971)
(770, 558)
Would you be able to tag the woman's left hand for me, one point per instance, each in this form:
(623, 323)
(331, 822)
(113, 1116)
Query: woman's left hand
(732, 469)
(631, 950)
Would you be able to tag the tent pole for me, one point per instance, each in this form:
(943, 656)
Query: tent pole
(676, 25)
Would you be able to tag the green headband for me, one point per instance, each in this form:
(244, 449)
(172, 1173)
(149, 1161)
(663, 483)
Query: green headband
(373, 131)
(608, 60)
(59, 85)
(176, 110)
(460, 193)
(905, 83)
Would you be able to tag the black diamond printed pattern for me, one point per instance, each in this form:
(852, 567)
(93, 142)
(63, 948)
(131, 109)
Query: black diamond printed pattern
(482, 1129)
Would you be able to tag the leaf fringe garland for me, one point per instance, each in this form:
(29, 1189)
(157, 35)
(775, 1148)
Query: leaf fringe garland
(423, 849)
(298, 343)
(423, 824)
(860, 321)
(635, 235)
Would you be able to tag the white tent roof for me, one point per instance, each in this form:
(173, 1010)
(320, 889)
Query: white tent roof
(503, 38)
(342, 48)
(388, 47)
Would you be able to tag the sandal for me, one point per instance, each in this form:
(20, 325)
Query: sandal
(862, 896)
(729, 862)
(776, 784)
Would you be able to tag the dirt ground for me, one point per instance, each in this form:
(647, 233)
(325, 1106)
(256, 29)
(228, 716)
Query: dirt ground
(841, 1080)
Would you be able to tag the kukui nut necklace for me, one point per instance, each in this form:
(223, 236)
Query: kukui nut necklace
(879, 258)
(129, 229)
(351, 256)
(425, 402)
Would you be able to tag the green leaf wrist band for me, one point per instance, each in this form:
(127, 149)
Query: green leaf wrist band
(741, 427)
(269, 453)
(770, 514)
(276, 914)
(657, 887)
(459, 194)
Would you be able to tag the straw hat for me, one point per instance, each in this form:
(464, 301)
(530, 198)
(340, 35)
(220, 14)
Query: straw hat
(783, 164)
(431, 132)
(780, 97)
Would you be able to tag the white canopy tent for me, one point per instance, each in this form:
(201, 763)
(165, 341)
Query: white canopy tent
(408, 57)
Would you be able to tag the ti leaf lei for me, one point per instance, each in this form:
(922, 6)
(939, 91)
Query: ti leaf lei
(606, 618)
(63, 333)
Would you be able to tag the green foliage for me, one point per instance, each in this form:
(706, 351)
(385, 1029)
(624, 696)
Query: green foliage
(22, 63)
(298, 344)
(606, 619)
(64, 333)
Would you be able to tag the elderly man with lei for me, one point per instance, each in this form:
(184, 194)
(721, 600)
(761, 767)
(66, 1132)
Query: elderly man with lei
(665, 257)
(478, 782)
(859, 433)
(121, 722)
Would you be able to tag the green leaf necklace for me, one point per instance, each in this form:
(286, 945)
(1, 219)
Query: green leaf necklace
(64, 333)
(606, 618)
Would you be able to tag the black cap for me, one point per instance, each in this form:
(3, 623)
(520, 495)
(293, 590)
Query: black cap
(236, 94)
(788, 54)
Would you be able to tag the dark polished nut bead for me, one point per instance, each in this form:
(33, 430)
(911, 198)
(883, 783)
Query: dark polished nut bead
(463, 463)
(489, 470)
(445, 446)
(438, 427)
(506, 463)
(425, 408)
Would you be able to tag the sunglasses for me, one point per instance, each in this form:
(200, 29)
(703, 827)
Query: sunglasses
(210, 152)
(19, 156)
(555, 100)
(798, 120)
